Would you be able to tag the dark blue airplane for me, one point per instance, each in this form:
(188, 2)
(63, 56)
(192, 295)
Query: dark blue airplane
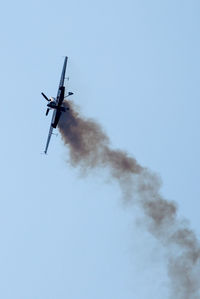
(56, 104)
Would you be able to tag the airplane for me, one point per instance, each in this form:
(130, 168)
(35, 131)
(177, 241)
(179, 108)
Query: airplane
(55, 104)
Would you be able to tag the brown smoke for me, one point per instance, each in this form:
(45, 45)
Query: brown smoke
(89, 148)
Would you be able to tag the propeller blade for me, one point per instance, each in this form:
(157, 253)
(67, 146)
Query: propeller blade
(45, 96)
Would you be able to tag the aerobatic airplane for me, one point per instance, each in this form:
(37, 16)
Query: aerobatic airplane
(56, 104)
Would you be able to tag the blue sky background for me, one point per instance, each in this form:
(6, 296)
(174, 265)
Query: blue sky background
(134, 66)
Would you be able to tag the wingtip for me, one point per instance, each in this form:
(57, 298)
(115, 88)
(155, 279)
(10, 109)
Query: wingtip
(43, 153)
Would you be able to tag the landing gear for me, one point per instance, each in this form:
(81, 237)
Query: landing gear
(63, 109)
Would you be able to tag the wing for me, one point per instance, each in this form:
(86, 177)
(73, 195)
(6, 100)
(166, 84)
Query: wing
(50, 132)
(61, 89)
(56, 118)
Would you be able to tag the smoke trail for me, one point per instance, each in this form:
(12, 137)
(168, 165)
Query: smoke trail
(89, 148)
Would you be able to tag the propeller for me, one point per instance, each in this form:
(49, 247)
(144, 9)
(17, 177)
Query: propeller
(45, 96)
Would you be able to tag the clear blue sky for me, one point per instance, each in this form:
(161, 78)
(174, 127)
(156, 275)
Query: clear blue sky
(134, 66)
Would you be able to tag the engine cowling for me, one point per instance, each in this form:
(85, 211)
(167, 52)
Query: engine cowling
(52, 104)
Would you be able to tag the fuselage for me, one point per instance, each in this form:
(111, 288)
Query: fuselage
(52, 104)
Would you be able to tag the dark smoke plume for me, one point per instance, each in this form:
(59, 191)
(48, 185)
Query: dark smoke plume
(89, 148)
